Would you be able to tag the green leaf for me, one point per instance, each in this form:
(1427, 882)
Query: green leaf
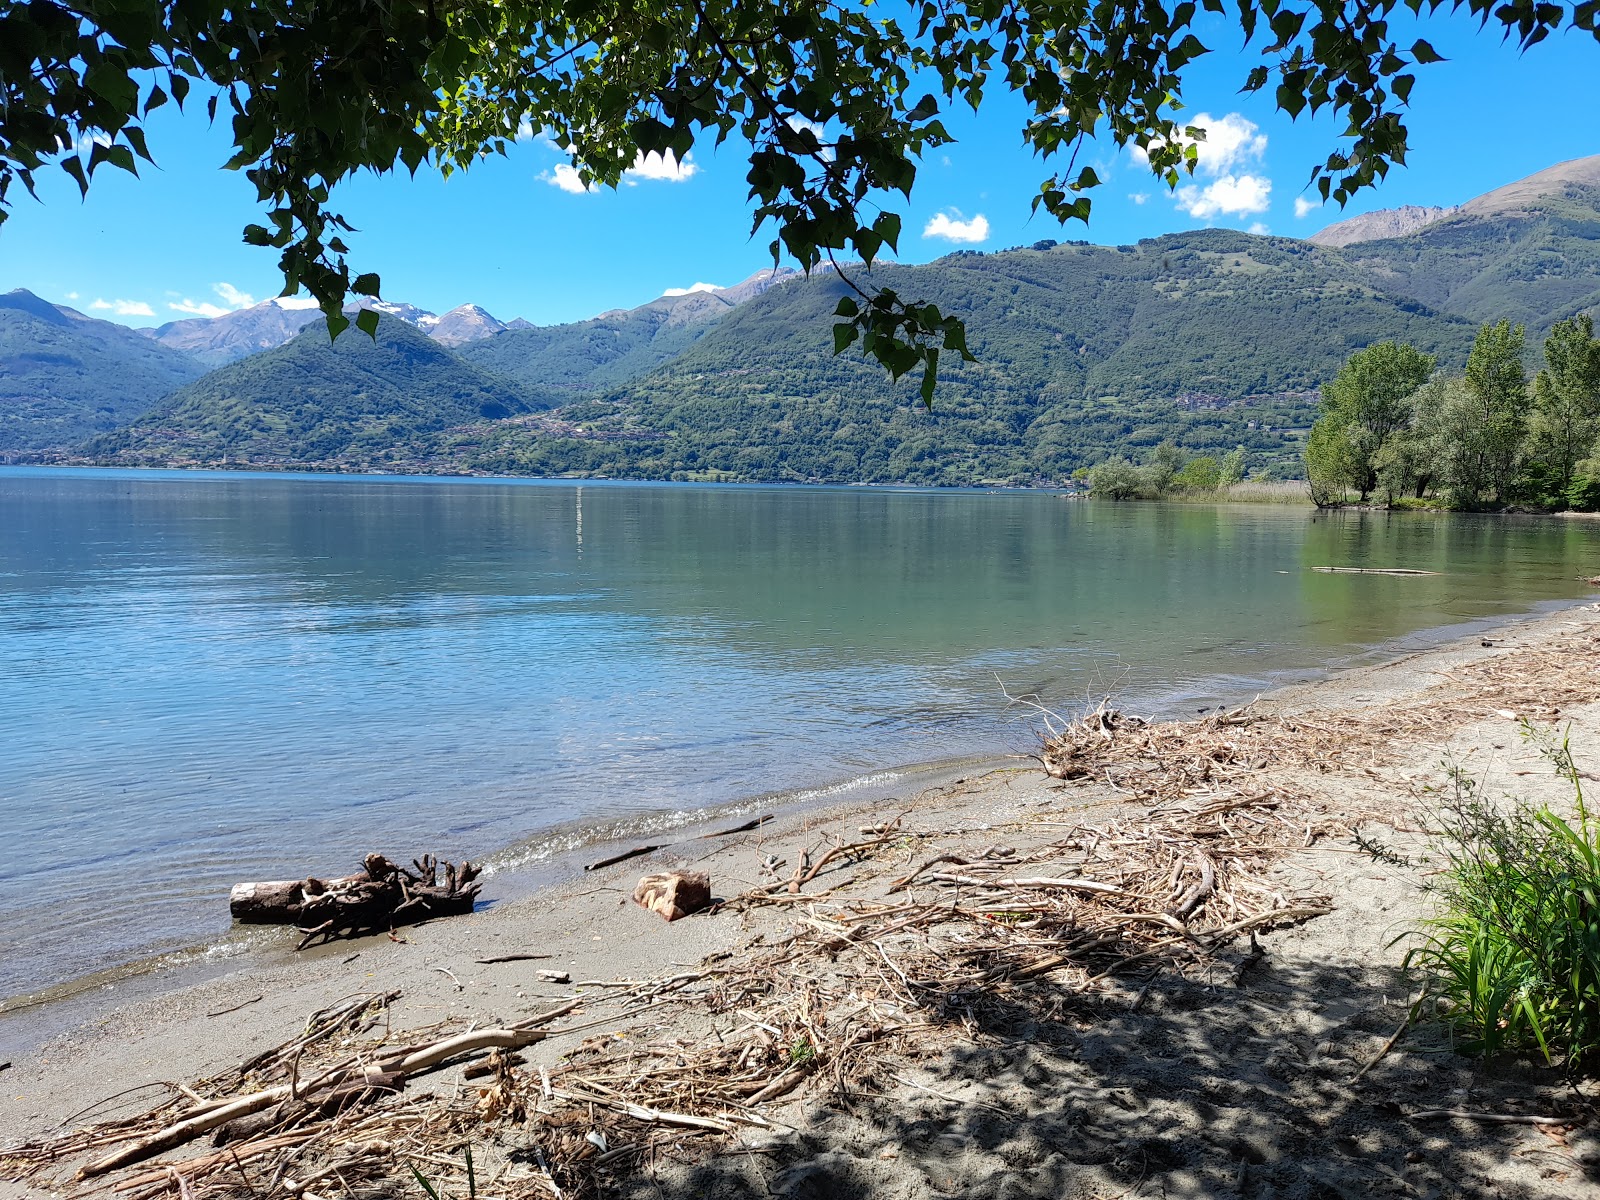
(73, 166)
(422, 1180)
(1424, 53)
(887, 227)
(367, 322)
(367, 284)
(114, 84)
(930, 376)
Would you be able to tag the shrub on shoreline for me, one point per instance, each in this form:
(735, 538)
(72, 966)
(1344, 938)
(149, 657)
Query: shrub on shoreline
(1514, 948)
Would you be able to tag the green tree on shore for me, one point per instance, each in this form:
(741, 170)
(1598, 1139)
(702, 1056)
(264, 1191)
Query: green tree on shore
(1480, 456)
(1232, 469)
(1565, 421)
(1363, 408)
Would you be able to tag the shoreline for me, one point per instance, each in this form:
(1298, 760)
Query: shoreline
(551, 859)
(1065, 490)
(591, 929)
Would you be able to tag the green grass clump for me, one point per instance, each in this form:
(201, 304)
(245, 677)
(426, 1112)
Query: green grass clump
(1514, 949)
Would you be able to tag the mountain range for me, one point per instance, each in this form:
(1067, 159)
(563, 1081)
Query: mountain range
(1215, 338)
(217, 341)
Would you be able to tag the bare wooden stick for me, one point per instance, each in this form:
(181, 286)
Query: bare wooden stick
(1071, 885)
(1461, 1114)
(1383, 1050)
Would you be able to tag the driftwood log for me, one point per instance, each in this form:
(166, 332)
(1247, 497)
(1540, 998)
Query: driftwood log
(380, 896)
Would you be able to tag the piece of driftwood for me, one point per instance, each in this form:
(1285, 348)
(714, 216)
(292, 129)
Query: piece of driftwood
(381, 896)
(1461, 1114)
(1372, 571)
(636, 852)
(674, 894)
(651, 848)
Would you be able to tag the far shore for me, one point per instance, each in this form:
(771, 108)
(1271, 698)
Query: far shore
(1289, 493)
(1265, 1067)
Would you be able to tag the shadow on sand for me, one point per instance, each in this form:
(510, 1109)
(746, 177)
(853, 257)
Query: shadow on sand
(1236, 1082)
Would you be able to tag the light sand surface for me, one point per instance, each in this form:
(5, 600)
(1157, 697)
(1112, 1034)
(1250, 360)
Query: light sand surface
(1232, 1078)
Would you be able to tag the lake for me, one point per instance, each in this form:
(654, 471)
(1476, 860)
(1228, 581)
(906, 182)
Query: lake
(212, 677)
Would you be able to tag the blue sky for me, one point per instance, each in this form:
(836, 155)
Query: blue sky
(507, 236)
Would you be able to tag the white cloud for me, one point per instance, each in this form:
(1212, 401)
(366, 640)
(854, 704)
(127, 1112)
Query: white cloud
(232, 300)
(952, 227)
(697, 287)
(1231, 195)
(124, 308)
(233, 297)
(661, 166)
(565, 176)
(72, 295)
(1260, 228)
(200, 308)
(1230, 142)
(1138, 197)
(1304, 208)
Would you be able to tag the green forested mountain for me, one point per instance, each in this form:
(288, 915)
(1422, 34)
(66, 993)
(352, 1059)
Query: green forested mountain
(1213, 338)
(563, 362)
(64, 376)
(1528, 253)
(361, 402)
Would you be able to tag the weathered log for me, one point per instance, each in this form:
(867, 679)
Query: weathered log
(380, 896)
(278, 902)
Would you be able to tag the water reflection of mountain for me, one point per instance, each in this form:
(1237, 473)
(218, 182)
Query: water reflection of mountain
(849, 572)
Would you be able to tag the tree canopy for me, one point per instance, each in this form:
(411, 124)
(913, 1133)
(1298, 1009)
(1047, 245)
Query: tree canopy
(834, 102)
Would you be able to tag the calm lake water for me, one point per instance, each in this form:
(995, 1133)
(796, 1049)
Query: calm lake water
(213, 677)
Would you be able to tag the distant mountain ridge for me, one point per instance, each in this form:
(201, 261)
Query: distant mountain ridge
(560, 361)
(1215, 338)
(358, 403)
(64, 376)
(217, 341)
(1384, 223)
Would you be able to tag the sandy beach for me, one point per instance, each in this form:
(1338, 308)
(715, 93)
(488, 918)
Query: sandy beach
(1250, 1059)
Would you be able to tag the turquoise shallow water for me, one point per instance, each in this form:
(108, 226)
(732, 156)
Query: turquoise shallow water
(214, 677)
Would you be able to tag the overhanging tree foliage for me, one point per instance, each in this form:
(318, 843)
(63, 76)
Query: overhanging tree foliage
(834, 103)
